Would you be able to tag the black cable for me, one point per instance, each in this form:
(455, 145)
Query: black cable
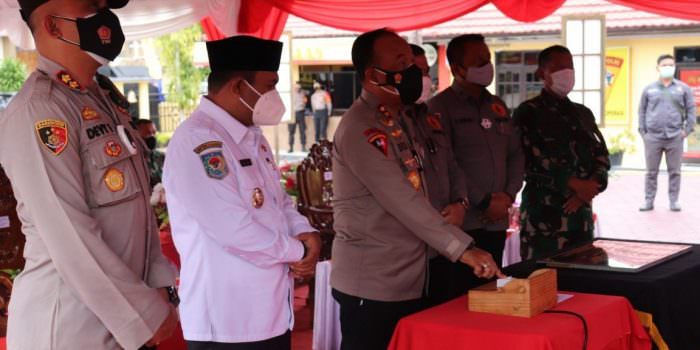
(583, 321)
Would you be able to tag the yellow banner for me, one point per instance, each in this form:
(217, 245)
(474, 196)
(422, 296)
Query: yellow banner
(616, 86)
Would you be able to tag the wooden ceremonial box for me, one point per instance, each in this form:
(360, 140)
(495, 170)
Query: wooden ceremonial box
(520, 297)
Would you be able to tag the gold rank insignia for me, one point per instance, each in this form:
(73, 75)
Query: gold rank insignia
(53, 134)
(258, 198)
(68, 81)
(89, 114)
(113, 149)
(414, 178)
(498, 109)
(114, 179)
(396, 133)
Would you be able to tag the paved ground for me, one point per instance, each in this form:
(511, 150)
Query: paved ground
(619, 215)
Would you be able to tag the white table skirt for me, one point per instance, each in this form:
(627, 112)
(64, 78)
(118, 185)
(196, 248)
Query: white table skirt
(326, 311)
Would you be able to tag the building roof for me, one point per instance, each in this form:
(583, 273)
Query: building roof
(489, 21)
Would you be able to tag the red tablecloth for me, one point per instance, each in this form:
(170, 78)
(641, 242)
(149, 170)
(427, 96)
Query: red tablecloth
(612, 325)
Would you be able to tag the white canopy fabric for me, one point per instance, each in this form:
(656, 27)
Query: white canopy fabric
(140, 18)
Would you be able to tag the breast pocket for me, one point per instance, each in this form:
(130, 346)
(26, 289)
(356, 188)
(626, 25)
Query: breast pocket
(109, 173)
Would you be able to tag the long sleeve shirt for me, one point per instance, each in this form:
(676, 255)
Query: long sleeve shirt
(666, 111)
(234, 227)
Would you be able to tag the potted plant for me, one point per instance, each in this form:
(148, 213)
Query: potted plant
(619, 144)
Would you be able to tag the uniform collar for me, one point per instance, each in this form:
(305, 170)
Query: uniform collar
(236, 129)
(59, 73)
(463, 95)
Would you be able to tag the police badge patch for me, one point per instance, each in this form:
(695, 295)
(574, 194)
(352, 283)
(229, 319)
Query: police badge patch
(53, 134)
(215, 164)
(377, 138)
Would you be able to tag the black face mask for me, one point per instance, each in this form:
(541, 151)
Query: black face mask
(100, 35)
(151, 142)
(409, 83)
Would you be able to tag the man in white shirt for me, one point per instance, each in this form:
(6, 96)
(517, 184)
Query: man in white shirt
(322, 106)
(240, 238)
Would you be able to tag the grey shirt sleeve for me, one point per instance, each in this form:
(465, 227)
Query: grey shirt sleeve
(642, 112)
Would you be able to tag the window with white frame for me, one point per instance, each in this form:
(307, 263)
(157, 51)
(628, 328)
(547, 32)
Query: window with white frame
(585, 38)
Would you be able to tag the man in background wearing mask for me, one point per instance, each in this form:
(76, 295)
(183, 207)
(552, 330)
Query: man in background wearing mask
(299, 99)
(487, 148)
(94, 276)
(240, 237)
(383, 218)
(422, 63)
(322, 106)
(566, 161)
(666, 117)
(147, 131)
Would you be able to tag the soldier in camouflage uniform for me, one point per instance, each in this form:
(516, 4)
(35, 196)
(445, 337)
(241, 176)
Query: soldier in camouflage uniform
(566, 162)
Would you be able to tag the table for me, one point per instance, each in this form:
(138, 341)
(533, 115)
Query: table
(326, 311)
(612, 324)
(670, 292)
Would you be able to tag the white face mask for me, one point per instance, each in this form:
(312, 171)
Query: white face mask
(482, 76)
(426, 93)
(667, 72)
(269, 109)
(563, 82)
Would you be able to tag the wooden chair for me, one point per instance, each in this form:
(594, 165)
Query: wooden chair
(315, 180)
(11, 245)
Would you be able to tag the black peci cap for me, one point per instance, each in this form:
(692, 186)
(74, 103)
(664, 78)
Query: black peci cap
(244, 53)
(26, 7)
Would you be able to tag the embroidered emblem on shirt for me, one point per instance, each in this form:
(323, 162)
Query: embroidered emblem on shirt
(207, 145)
(53, 134)
(434, 122)
(114, 179)
(215, 164)
(258, 198)
(113, 149)
(68, 81)
(486, 123)
(377, 138)
(89, 114)
(498, 109)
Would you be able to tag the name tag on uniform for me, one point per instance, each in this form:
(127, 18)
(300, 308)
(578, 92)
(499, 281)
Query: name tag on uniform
(246, 162)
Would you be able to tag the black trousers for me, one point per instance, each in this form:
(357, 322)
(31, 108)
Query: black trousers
(299, 119)
(369, 324)
(450, 280)
(321, 124)
(282, 342)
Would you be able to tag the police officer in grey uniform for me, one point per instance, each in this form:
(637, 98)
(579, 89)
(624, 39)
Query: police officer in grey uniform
(383, 220)
(666, 117)
(486, 145)
(94, 277)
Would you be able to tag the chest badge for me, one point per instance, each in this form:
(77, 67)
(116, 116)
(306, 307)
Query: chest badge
(258, 198)
(114, 179)
(434, 122)
(113, 149)
(53, 134)
(414, 178)
(498, 109)
(89, 114)
(486, 123)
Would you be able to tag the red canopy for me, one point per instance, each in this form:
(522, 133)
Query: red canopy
(267, 18)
